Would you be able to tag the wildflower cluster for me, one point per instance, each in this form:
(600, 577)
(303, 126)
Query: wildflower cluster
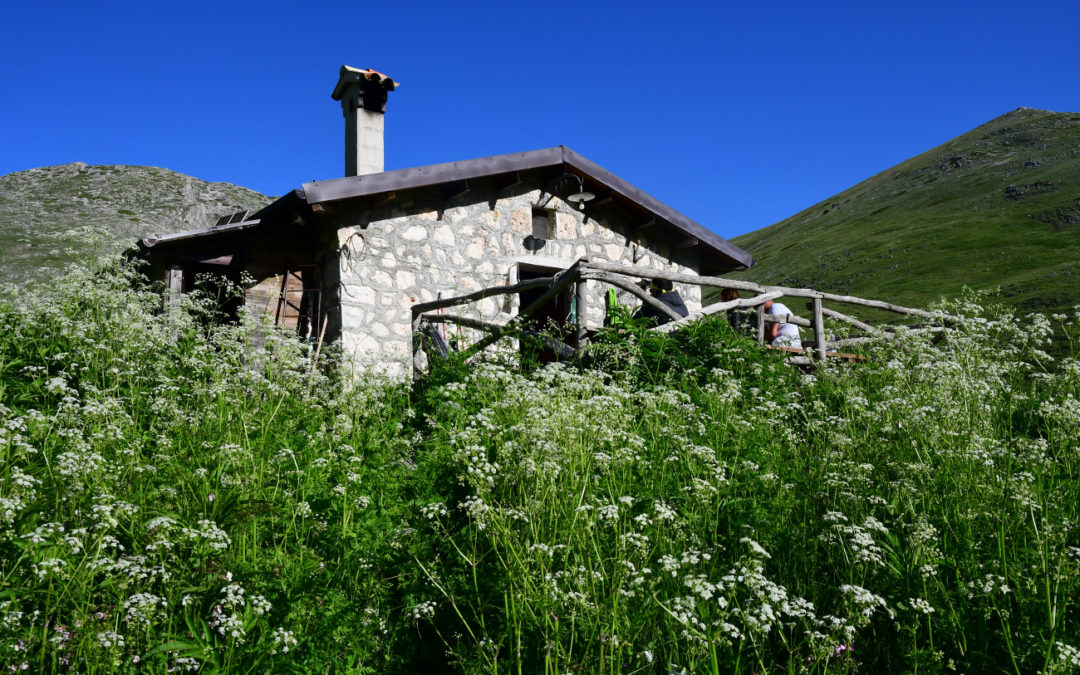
(146, 516)
(186, 490)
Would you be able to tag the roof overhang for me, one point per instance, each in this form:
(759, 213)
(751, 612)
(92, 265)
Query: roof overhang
(315, 196)
(150, 242)
(352, 187)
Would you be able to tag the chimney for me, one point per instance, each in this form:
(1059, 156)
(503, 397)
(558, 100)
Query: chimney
(363, 102)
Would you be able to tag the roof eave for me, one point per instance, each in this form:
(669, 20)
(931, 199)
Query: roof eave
(150, 242)
(318, 192)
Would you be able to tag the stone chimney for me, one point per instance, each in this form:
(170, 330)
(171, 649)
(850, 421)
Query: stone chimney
(363, 102)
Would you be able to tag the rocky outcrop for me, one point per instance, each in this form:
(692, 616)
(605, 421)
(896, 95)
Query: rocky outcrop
(53, 215)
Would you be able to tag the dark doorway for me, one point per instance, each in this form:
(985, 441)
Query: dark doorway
(548, 328)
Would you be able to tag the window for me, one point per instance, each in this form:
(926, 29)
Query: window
(543, 223)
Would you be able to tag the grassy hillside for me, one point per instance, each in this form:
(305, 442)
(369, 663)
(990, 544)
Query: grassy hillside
(52, 215)
(996, 207)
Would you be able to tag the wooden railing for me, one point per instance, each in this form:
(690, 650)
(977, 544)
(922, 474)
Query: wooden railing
(623, 276)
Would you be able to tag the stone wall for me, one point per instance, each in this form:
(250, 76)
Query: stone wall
(424, 249)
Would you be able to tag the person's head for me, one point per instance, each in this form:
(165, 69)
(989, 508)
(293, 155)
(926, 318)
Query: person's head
(767, 304)
(658, 286)
(729, 294)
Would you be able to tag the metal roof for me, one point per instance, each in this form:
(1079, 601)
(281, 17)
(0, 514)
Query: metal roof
(352, 187)
(596, 178)
(192, 234)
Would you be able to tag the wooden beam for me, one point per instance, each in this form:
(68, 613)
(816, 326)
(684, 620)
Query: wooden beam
(383, 199)
(641, 293)
(788, 318)
(528, 285)
(603, 199)
(644, 225)
(456, 189)
(468, 322)
(720, 282)
(833, 314)
(562, 280)
(888, 336)
(715, 308)
(507, 181)
(694, 279)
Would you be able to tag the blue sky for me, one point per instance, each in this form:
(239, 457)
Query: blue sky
(738, 115)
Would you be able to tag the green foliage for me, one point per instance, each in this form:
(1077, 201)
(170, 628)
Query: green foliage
(180, 494)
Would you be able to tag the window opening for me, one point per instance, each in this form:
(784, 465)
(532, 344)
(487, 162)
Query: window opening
(543, 223)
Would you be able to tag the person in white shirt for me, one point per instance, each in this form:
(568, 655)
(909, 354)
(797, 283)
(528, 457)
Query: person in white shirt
(781, 334)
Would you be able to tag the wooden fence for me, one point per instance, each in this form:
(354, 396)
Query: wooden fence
(623, 277)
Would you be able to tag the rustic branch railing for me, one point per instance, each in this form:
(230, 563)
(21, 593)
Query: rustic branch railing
(619, 276)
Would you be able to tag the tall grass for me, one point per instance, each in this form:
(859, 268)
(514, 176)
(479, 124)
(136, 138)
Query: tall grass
(175, 497)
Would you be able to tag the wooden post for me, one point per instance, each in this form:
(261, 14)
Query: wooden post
(174, 286)
(761, 324)
(582, 316)
(417, 343)
(819, 331)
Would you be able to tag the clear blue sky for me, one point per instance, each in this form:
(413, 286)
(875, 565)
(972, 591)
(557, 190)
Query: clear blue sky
(736, 114)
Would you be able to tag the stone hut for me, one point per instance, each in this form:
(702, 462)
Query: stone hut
(347, 258)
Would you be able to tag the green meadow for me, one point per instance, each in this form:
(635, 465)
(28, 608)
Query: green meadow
(182, 495)
(997, 208)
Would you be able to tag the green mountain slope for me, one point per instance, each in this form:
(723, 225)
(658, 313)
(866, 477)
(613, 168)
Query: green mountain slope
(996, 207)
(50, 216)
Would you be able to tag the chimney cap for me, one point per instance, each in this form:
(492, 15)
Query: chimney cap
(366, 77)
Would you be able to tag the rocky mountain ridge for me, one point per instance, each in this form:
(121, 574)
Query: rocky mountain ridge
(50, 216)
